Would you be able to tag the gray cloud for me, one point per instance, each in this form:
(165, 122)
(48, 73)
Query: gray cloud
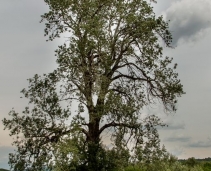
(189, 19)
(200, 144)
(178, 138)
(173, 126)
(162, 5)
(4, 154)
(24, 51)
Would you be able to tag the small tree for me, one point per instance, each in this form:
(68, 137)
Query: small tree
(112, 67)
(191, 162)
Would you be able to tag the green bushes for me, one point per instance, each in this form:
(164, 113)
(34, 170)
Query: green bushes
(120, 159)
(177, 166)
(206, 166)
(171, 164)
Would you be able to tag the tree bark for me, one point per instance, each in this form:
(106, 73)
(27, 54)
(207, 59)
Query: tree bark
(93, 145)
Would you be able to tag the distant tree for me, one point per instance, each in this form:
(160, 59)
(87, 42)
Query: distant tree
(191, 162)
(112, 66)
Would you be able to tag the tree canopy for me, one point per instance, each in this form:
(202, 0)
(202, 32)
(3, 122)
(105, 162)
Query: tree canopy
(111, 67)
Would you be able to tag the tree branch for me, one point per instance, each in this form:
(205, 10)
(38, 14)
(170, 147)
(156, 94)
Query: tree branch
(114, 124)
(129, 77)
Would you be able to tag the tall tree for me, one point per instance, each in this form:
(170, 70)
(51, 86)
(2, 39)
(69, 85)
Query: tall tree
(112, 66)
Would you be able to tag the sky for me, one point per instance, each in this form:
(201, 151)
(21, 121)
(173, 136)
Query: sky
(25, 52)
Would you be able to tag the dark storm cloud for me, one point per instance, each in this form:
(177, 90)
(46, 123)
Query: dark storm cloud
(188, 19)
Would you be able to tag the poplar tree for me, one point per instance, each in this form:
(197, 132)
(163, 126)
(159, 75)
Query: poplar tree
(111, 66)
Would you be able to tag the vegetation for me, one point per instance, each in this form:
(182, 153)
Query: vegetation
(111, 67)
(167, 163)
(3, 170)
(162, 162)
(170, 163)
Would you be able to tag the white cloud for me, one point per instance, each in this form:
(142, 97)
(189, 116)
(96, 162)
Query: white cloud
(188, 19)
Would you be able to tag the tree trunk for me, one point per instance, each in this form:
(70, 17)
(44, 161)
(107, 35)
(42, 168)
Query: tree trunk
(93, 146)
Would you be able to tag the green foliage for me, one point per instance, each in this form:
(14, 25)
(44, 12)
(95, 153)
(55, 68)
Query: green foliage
(110, 159)
(111, 67)
(3, 170)
(169, 164)
(206, 166)
(194, 164)
(191, 162)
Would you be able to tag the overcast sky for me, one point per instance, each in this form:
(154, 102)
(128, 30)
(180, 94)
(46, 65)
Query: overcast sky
(24, 52)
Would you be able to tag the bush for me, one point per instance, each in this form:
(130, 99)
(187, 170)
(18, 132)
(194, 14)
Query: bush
(207, 166)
